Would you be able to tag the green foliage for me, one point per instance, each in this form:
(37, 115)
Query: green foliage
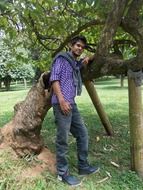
(45, 25)
(49, 22)
(14, 65)
(127, 45)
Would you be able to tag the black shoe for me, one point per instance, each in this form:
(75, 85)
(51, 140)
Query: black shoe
(69, 179)
(88, 170)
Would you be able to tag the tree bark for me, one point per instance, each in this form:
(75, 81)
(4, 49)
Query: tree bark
(22, 133)
(7, 81)
(122, 80)
(98, 106)
(136, 126)
(25, 83)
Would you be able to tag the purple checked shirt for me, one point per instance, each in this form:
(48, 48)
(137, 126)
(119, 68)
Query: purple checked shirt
(63, 72)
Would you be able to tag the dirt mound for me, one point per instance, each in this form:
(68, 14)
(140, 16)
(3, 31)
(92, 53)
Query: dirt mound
(47, 163)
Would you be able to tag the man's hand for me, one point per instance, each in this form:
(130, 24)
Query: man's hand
(65, 107)
(86, 60)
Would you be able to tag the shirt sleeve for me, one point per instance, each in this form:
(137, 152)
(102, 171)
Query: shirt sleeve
(56, 69)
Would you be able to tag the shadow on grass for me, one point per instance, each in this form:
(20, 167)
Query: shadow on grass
(113, 87)
(107, 82)
(117, 114)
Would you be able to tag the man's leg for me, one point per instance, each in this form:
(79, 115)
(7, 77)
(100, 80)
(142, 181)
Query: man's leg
(63, 123)
(79, 131)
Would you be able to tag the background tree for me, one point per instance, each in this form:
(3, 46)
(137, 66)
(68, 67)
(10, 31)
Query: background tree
(14, 67)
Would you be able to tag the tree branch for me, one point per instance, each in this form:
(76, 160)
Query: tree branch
(110, 28)
(81, 28)
(111, 66)
(112, 23)
(132, 24)
(39, 36)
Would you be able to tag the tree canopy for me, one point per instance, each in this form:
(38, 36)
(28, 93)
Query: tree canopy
(45, 27)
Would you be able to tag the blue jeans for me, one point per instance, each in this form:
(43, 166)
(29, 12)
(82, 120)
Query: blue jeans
(66, 124)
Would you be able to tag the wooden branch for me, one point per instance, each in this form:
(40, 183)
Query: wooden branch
(116, 44)
(79, 14)
(99, 107)
(110, 28)
(81, 28)
(107, 65)
(124, 42)
(36, 31)
(133, 25)
(101, 65)
(110, 66)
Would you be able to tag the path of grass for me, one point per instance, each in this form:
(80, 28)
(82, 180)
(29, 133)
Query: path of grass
(102, 149)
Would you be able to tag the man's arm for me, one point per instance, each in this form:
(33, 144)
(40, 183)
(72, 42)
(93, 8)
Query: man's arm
(65, 106)
(87, 59)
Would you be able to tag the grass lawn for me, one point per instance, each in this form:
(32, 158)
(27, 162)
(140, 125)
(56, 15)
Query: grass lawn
(103, 150)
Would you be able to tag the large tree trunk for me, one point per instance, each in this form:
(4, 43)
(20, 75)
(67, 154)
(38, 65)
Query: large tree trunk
(136, 126)
(22, 133)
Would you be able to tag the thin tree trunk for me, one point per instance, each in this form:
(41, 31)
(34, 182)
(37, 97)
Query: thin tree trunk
(97, 104)
(122, 80)
(25, 83)
(136, 126)
(7, 82)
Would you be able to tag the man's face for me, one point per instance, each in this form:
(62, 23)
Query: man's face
(78, 48)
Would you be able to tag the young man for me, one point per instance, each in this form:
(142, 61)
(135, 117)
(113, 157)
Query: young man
(66, 84)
